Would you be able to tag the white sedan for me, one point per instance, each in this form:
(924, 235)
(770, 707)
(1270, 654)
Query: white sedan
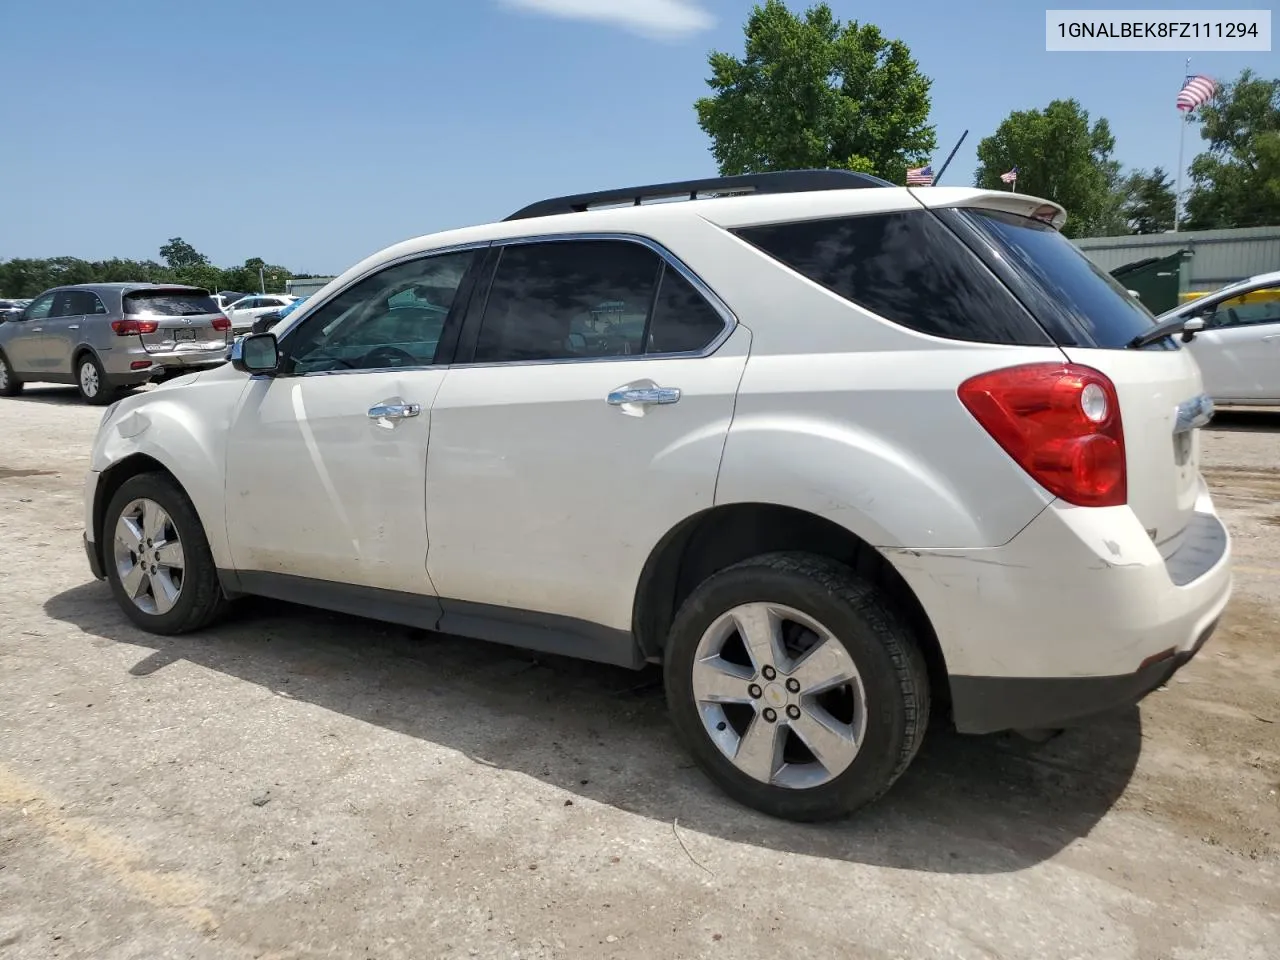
(244, 311)
(1238, 349)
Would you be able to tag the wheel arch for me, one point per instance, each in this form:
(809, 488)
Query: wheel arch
(112, 479)
(721, 536)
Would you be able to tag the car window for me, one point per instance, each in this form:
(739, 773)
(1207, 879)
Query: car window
(39, 308)
(907, 268)
(93, 304)
(568, 300)
(1247, 309)
(170, 303)
(393, 318)
(683, 321)
(65, 303)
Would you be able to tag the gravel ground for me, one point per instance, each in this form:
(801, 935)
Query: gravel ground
(293, 784)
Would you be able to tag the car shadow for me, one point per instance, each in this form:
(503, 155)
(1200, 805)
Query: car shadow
(1257, 420)
(967, 805)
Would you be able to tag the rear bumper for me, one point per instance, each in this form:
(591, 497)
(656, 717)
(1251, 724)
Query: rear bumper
(184, 362)
(1076, 615)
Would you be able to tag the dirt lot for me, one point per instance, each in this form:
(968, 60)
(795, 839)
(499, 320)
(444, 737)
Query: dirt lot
(294, 784)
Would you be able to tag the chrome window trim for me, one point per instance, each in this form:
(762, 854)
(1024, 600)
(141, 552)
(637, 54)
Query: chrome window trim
(727, 316)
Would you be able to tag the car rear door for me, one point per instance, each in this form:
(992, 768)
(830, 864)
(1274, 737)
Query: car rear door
(584, 417)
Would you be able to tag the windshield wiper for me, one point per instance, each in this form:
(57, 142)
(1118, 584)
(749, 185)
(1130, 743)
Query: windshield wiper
(1187, 326)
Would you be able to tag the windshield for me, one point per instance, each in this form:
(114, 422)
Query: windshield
(1091, 299)
(170, 303)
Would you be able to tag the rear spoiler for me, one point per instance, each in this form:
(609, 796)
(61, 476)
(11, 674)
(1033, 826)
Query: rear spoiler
(1019, 204)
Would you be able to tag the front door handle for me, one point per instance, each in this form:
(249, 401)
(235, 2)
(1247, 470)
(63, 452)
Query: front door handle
(74, 326)
(394, 411)
(644, 395)
(36, 329)
(1274, 336)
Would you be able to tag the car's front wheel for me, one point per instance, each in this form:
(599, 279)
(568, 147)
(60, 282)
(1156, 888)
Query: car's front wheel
(795, 686)
(157, 557)
(10, 385)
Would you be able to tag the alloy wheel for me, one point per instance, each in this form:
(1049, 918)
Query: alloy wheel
(148, 557)
(779, 695)
(89, 383)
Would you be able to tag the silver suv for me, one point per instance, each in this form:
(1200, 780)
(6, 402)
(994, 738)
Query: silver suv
(103, 337)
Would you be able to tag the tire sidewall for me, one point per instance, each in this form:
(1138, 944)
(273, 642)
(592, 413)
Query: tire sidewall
(878, 760)
(194, 547)
(12, 385)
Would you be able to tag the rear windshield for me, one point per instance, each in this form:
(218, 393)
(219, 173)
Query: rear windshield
(1088, 297)
(170, 303)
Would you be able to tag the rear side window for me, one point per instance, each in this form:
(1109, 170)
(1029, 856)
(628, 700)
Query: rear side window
(908, 268)
(683, 321)
(1067, 281)
(170, 303)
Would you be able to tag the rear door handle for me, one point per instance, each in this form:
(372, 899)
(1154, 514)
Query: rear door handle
(394, 411)
(644, 395)
(74, 326)
(36, 329)
(1274, 336)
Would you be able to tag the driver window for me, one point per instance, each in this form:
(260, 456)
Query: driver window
(39, 308)
(393, 318)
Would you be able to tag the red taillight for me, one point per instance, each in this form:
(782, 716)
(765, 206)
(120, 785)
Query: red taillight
(1061, 423)
(221, 323)
(124, 328)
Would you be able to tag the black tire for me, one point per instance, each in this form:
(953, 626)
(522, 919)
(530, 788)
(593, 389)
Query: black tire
(200, 599)
(10, 385)
(106, 392)
(892, 669)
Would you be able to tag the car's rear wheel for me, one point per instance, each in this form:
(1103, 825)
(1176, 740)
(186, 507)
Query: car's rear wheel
(796, 687)
(92, 381)
(157, 557)
(10, 385)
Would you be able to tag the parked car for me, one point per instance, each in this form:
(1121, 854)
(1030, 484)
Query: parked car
(268, 320)
(11, 308)
(1238, 347)
(838, 454)
(106, 336)
(225, 298)
(243, 312)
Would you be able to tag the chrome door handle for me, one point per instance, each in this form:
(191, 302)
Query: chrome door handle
(644, 395)
(74, 326)
(1274, 336)
(36, 329)
(394, 411)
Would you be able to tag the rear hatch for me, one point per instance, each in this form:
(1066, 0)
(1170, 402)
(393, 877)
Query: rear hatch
(1094, 321)
(178, 320)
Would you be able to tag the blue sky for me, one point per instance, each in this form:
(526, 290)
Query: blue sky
(312, 134)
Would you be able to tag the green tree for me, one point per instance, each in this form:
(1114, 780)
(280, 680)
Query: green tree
(1236, 183)
(1060, 156)
(1148, 201)
(811, 92)
(179, 254)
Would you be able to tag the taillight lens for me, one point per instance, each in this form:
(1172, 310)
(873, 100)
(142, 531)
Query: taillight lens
(221, 323)
(1061, 423)
(124, 328)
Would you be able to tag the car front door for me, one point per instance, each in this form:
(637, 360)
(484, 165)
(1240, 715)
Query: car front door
(584, 417)
(24, 340)
(1239, 349)
(326, 461)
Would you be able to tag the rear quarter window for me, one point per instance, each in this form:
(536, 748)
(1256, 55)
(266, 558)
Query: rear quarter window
(908, 268)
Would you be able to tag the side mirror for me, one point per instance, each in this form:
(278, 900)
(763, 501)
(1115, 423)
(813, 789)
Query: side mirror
(257, 353)
(1191, 328)
(265, 322)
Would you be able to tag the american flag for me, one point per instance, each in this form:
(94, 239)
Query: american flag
(1011, 176)
(1196, 91)
(920, 177)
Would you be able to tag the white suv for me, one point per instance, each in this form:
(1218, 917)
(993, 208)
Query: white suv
(836, 453)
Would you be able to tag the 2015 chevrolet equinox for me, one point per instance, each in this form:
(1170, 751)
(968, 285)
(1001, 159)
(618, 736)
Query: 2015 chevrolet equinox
(834, 452)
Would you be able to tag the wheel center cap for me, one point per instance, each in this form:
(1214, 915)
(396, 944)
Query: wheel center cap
(775, 694)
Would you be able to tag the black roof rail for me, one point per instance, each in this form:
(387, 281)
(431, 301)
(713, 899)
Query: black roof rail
(783, 181)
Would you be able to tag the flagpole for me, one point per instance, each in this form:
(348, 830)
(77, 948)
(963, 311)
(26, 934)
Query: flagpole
(1183, 120)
